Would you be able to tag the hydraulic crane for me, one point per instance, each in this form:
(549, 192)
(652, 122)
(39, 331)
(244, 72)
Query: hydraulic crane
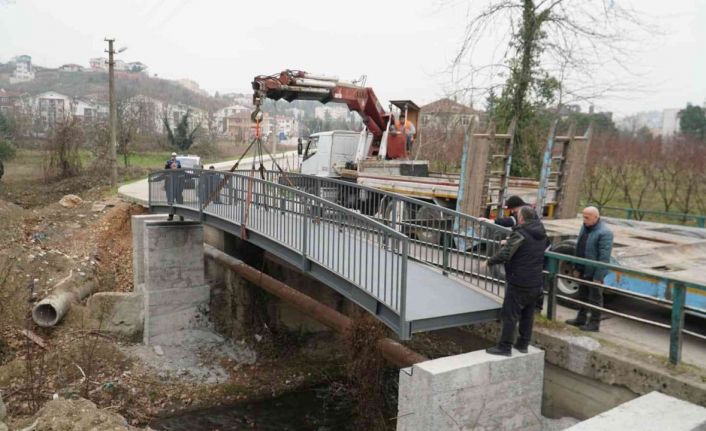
(388, 141)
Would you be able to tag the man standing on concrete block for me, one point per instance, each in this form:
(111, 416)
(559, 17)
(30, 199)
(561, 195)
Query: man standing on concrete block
(523, 256)
(596, 243)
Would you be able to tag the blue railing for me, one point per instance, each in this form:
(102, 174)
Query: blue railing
(677, 291)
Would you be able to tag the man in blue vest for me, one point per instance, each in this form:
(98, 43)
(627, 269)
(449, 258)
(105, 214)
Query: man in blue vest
(523, 256)
(595, 243)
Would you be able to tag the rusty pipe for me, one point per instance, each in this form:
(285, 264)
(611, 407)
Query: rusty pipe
(391, 350)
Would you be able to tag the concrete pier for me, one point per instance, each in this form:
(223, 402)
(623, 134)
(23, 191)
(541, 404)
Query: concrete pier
(473, 391)
(175, 292)
(138, 254)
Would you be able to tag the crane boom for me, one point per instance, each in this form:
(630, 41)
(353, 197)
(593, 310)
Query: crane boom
(298, 85)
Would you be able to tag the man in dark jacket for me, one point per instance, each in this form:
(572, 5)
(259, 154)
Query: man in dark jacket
(513, 203)
(523, 256)
(595, 242)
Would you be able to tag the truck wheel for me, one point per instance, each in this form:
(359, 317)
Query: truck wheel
(429, 221)
(566, 287)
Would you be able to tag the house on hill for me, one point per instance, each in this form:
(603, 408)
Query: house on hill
(71, 67)
(23, 69)
(440, 135)
(448, 111)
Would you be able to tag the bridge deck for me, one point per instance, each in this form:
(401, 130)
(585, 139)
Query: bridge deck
(433, 300)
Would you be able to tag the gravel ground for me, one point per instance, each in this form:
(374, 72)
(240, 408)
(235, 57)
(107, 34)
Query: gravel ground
(193, 354)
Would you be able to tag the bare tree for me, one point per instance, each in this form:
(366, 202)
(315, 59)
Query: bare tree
(550, 56)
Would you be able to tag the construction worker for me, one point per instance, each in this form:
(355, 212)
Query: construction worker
(523, 256)
(173, 163)
(409, 131)
(595, 242)
(174, 183)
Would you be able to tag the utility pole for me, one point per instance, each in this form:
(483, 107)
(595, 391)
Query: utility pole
(112, 153)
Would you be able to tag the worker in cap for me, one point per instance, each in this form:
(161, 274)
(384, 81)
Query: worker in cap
(173, 163)
(513, 203)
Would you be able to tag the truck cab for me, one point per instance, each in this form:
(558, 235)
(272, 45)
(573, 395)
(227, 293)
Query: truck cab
(325, 150)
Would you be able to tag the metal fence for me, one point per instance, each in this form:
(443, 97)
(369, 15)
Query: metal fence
(456, 243)
(318, 229)
(677, 291)
(698, 220)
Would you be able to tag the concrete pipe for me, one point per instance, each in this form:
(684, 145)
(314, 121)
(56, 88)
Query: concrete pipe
(391, 350)
(50, 310)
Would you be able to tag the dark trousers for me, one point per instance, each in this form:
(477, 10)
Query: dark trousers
(592, 295)
(518, 305)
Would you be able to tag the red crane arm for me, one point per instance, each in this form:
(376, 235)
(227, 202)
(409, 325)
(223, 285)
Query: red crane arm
(298, 85)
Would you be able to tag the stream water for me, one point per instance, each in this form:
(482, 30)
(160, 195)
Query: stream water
(315, 409)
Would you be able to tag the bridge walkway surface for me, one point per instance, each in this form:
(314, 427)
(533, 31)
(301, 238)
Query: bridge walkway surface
(401, 261)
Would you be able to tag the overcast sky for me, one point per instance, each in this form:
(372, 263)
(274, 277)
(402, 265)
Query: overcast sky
(404, 47)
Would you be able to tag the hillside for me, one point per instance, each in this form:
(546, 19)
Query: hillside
(95, 84)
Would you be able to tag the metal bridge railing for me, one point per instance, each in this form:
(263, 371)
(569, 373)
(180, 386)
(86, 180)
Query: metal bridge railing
(456, 243)
(676, 290)
(318, 229)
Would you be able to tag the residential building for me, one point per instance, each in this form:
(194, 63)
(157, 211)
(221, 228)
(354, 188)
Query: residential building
(71, 68)
(85, 110)
(137, 66)
(51, 108)
(240, 127)
(10, 102)
(221, 116)
(98, 63)
(285, 126)
(447, 111)
(23, 69)
(336, 111)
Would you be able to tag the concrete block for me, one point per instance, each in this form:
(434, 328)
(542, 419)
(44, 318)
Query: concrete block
(173, 255)
(138, 255)
(172, 310)
(473, 391)
(117, 312)
(652, 412)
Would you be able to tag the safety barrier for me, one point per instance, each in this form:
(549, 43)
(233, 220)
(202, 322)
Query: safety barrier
(676, 290)
(454, 242)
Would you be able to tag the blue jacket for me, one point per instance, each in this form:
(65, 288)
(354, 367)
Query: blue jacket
(599, 246)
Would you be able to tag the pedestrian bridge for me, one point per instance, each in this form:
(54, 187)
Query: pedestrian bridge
(414, 265)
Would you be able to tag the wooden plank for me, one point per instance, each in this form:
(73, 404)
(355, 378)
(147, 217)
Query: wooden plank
(476, 152)
(573, 169)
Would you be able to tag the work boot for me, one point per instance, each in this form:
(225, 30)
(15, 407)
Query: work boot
(589, 327)
(522, 348)
(578, 321)
(499, 350)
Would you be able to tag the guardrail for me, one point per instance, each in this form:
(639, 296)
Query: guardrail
(678, 289)
(454, 242)
(317, 229)
(698, 220)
